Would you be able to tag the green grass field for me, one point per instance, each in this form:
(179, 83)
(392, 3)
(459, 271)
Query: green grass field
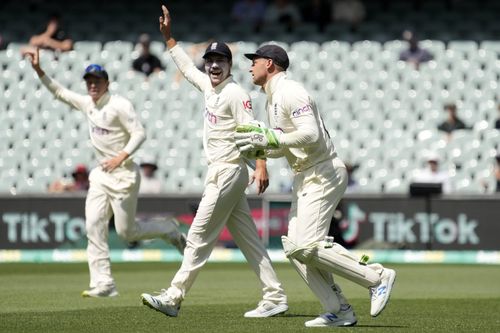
(426, 298)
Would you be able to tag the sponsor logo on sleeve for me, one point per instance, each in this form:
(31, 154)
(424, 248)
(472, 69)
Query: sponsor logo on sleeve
(302, 111)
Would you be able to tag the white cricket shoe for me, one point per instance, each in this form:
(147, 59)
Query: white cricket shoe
(381, 293)
(101, 291)
(162, 303)
(345, 317)
(266, 309)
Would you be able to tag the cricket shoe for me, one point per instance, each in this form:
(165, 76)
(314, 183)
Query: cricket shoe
(345, 317)
(101, 291)
(381, 293)
(266, 309)
(162, 303)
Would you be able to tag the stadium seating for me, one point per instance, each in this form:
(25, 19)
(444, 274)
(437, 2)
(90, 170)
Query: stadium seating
(381, 112)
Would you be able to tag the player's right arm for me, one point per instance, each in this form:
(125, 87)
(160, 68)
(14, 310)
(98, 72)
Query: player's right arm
(181, 59)
(65, 95)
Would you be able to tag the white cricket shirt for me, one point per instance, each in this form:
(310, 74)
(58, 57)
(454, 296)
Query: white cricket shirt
(113, 123)
(305, 141)
(226, 106)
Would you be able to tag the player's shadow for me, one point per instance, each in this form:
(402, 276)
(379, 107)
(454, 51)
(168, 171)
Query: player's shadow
(312, 316)
(383, 326)
(291, 315)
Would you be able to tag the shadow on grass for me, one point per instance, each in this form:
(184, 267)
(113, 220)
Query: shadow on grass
(293, 315)
(383, 326)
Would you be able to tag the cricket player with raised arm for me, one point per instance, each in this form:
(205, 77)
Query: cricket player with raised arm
(297, 132)
(115, 133)
(224, 201)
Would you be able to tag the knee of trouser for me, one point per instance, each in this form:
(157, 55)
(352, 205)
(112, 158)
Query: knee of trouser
(302, 253)
(92, 227)
(125, 233)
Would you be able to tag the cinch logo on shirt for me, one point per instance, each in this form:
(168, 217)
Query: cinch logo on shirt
(247, 105)
(100, 130)
(303, 110)
(212, 118)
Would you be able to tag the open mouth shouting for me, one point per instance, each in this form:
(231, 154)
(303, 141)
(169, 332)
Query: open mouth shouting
(217, 67)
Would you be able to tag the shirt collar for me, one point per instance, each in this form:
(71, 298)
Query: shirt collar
(221, 85)
(271, 85)
(103, 100)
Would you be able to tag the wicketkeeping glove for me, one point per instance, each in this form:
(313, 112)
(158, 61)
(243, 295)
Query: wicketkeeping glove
(255, 136)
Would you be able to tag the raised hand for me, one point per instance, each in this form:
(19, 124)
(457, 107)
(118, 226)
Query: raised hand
(33, 55)
(165, 23)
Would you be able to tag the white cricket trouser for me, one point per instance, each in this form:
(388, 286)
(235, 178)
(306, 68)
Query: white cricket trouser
(316, 193)
(224, 203)
(115, 194)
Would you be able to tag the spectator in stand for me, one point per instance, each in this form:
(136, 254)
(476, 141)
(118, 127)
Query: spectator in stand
(317, 12)
(54, 37)
(452, 122)
(283, 12)
(432, 173)
(150, 184)
(3, 42)
(497, 121)
(249, 12)
(352, 184)
(352, 12)
(414, 54)
(147, 62)
(79, 183)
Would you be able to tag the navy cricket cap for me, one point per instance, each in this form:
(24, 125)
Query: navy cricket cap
(218, 48)
(274, 52)
(95, 70)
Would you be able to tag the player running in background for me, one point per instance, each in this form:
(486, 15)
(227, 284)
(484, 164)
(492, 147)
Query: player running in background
(223, 202)
(115, 133)
(298, 133)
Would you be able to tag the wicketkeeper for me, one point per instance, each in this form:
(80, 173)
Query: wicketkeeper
(297, 132)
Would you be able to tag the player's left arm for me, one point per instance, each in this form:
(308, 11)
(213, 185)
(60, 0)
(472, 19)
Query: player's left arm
(131, 124)
(298, 106)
